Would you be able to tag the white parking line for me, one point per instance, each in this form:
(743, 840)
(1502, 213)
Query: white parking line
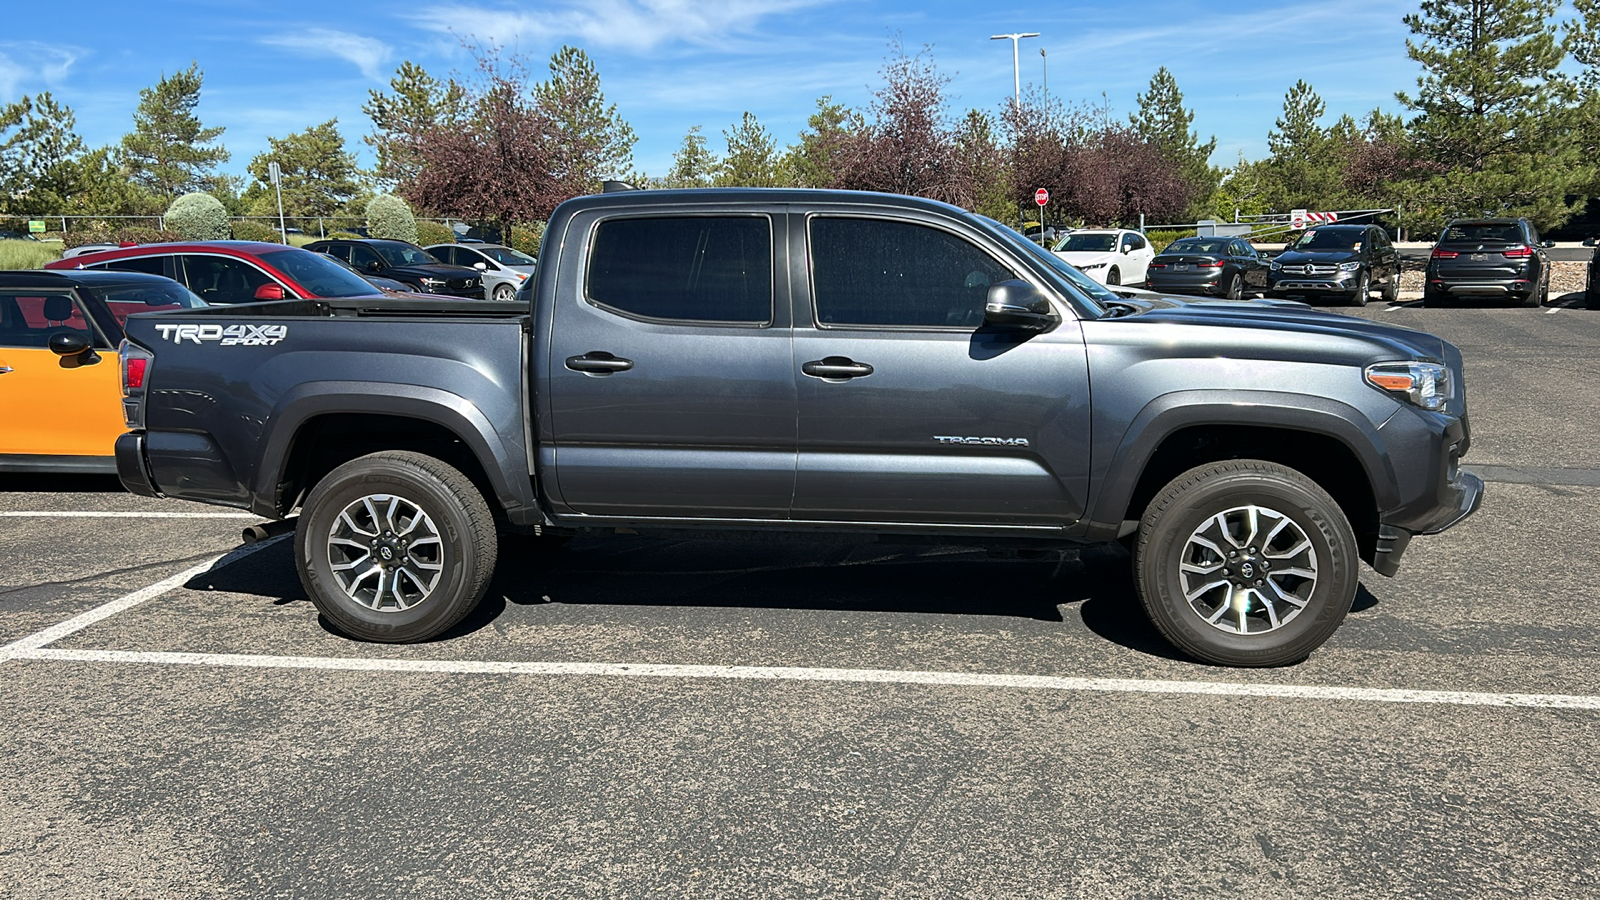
(94, 514)
(126, 602)
(852, 676)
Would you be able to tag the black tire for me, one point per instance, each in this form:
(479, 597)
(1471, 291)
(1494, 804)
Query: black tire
(1435, 298)
(504, 293)
(1391, 288)
(1235, 288)
(456, 515)
(1363, 290)
(1591, 299)
(1114, 277)
(1188, 506)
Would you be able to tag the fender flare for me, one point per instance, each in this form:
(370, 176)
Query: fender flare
(1167, 414)
(453, 412)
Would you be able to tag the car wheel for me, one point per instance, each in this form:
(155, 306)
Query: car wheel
(1114, 277)
(1391, 288)
(1246, 563)
(1235, 288)
(395, 547)
(1363, 290)
(504, 292)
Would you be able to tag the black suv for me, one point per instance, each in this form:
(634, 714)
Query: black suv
(1488, 258)
(406, 263)
(1343, 261)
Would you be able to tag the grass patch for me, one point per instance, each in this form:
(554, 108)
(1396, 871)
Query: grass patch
(300, 240)
(27, 254)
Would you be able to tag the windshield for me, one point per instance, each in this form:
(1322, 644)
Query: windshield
(506, 256)
(396, 253)
(1194, 246)
(1086, 242)
(123, 300)
(1094, 293)
(1328, 239)
(319, 274)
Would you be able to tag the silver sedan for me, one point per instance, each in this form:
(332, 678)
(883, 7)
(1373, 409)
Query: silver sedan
(504, 269)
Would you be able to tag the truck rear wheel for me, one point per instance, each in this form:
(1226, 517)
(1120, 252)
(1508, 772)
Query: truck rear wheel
(395, 547)
(1246, 563)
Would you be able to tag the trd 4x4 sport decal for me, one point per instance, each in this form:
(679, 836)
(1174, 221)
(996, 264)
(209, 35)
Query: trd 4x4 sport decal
(226, 335)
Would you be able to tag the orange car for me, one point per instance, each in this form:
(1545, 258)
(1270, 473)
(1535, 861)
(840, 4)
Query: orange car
(60, 388)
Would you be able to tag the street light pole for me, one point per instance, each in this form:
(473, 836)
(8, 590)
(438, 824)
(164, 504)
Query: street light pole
(1016, 64)
(1045, 61)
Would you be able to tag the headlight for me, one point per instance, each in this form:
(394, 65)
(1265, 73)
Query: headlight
(1092, 266)
(1275, 266)
(1425, 384)
(1351, 266)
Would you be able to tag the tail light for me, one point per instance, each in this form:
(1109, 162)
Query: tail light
(1517, 252)
(1444, 254)
(135, 362)
(1209, 264)
(1157, 266)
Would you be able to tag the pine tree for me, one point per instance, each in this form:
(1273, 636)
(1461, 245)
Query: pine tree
(1494, 111)
(41, 161)
(1164, 123)
(814, 161)
(319, 175)
(169, 152)
(415, 103)
(1306, 168)
(693, 165)
(594, 142)
(752, 159)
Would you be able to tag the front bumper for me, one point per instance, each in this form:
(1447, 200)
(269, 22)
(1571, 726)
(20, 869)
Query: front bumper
(1437, 492)
(1343, 283)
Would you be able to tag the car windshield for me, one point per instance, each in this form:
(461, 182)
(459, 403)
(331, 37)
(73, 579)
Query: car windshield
(1194, 246)
(1328, 239)
(1094, 292)
(396, 253)
(123, 300)
(1087, 241)
(506, 256)
(1483, 233)
(319, 274)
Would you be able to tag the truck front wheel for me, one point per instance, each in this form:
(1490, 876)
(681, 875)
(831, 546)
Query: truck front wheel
(1246, 563)
(395, 547)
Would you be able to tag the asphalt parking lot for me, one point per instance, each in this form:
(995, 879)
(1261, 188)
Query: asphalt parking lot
(628, 717)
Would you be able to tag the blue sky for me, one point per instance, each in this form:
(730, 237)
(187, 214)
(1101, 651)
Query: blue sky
(273, 67)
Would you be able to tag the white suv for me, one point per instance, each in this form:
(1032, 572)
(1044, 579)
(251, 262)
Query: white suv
(1108, 255)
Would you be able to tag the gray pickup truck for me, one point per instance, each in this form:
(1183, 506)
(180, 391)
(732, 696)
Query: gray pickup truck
(812, 361)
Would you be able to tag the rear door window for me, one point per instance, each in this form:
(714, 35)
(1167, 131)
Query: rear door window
(223, 280)
(150, 265)
(715, 269)
(363, 257)
(882, 272)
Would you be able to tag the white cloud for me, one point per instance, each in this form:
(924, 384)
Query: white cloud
(32, 62)
(370, 55)
(626, 24)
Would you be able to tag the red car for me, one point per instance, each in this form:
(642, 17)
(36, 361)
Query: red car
(224, 272)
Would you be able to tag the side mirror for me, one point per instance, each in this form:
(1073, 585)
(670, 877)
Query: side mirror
(1588, 242)
(481, 266)
(373, 266)
(269, 292)
(1018, 304)
(73, 343)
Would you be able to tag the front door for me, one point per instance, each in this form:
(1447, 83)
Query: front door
(670, 379)
(52, 405)
(910, 409)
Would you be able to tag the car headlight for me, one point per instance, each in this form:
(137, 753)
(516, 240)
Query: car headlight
(1351, 266)
(1275, 266)
(1092, 266)
(1425, 384)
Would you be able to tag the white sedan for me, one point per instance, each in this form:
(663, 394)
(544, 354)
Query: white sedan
(1108, 255)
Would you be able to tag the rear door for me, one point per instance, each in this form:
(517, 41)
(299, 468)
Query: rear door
(52, 405)
(670, 376)
(910, 409)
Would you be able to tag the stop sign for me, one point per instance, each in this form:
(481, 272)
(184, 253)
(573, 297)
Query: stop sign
(1041, 196)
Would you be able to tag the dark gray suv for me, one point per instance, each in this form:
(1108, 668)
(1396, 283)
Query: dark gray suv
(1489, 259)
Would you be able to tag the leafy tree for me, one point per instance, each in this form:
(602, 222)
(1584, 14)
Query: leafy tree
(752, 159)
(592, 142)
(1163, 122)
(105, 188)
(169, 152)
(319, 175)
(985, 163)
(909, 147)
(693, 165)
(415, 103)
(815, 160)
(390, 217)
(1494, 111)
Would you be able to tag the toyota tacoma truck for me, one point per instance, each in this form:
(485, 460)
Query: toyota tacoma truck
(855, 364)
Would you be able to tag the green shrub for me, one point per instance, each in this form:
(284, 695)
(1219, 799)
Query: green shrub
(118, 236)
(300, 240)
(27, 254)
(1160, 239)
(429, 233)
(249, 230)
(390, 217)
(199, 217)
(527, 238)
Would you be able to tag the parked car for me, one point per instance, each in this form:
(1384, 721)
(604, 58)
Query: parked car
(406, 263)
(1591, 287)
(1217, 266)
(1341, 261)
(387, 285)
(1488, 259)
(86, 249)
(503, 269)
(1109, 256)
(228, 272)
(60, 393)
(930, 374)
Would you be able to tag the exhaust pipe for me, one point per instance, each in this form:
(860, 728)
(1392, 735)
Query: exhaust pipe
(255, 534)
